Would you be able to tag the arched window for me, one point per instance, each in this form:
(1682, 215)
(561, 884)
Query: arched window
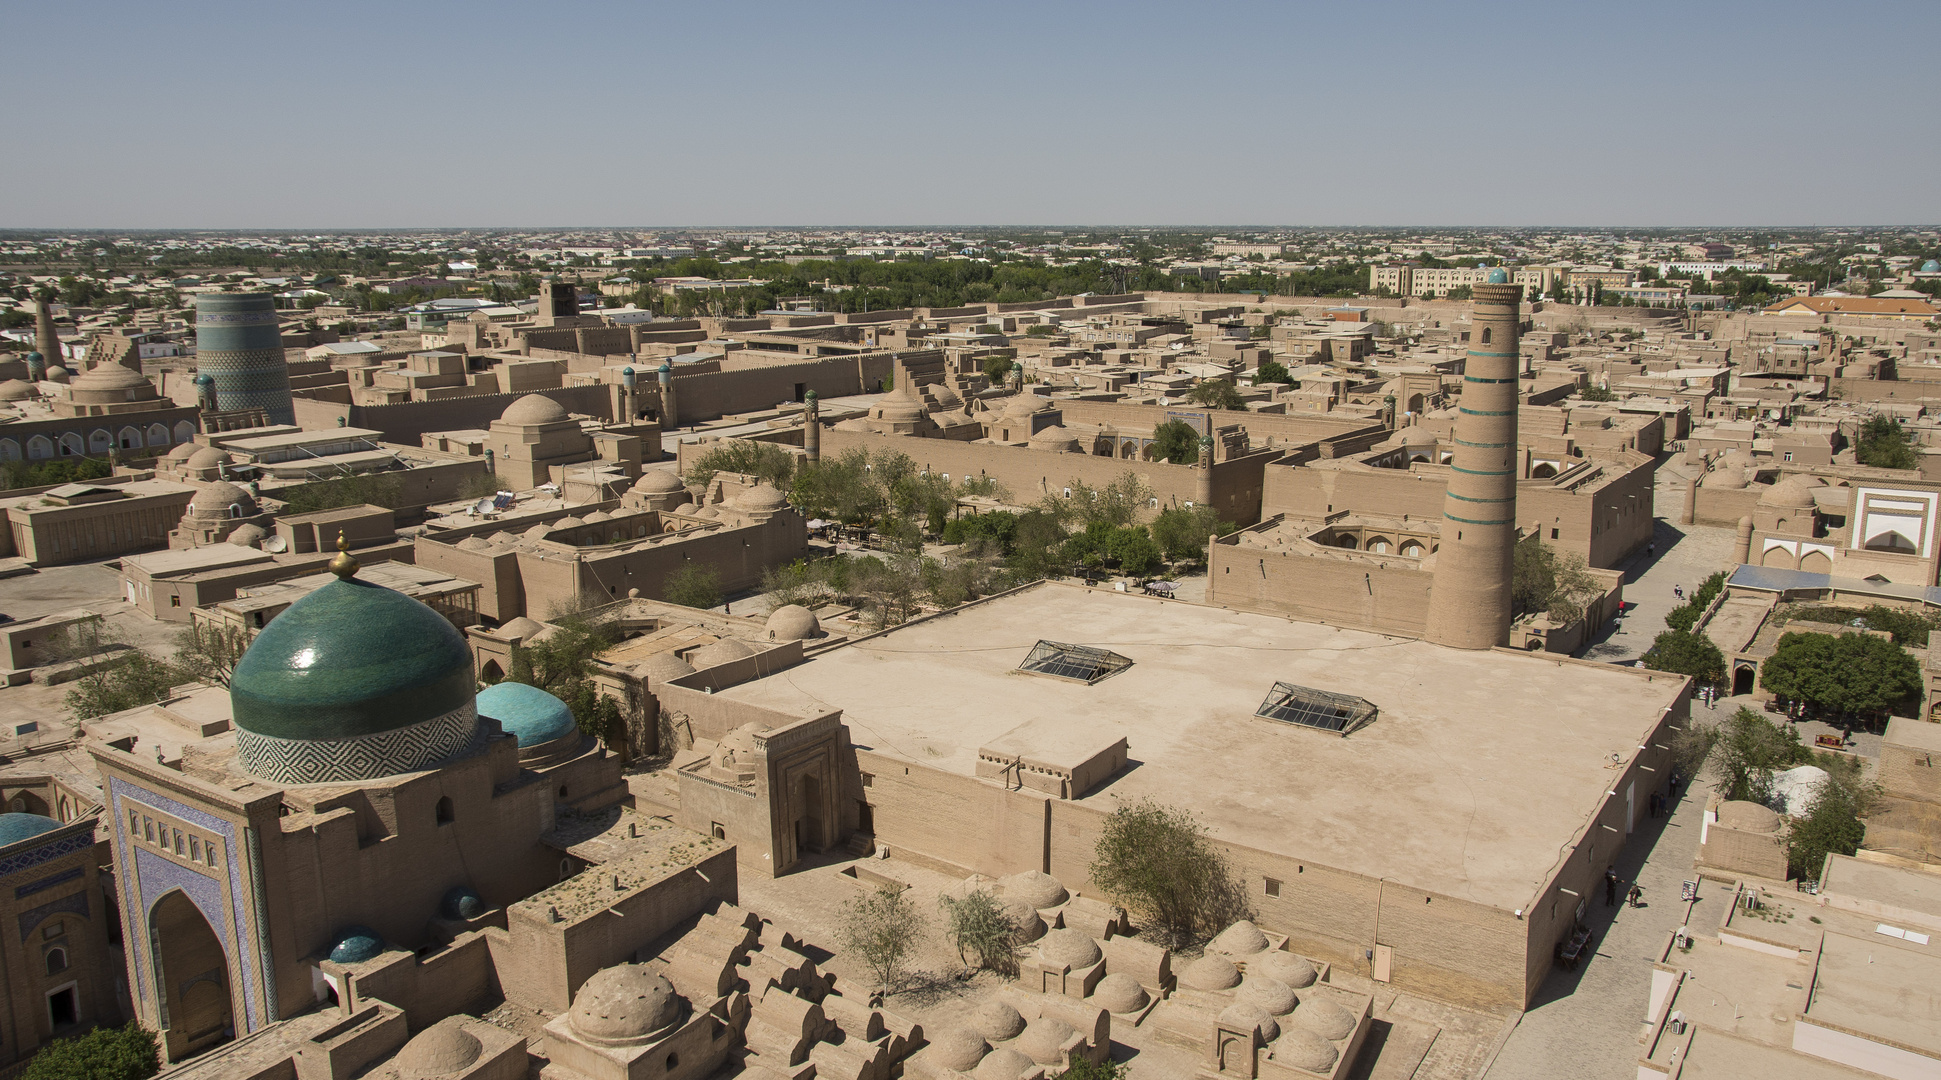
(130, 438)
(9, 450)
(184, 431)
(1347, 542)
(71, 445)
(235, 510)
(562, 791)
(158, 435)
(1412, 548)
(445, 810)
(56, 960)
(100, 442)
(1485, 335)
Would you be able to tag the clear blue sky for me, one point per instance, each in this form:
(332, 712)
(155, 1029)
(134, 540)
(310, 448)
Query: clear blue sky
(263, 114)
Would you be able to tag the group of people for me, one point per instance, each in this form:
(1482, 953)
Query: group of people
(1634, 895)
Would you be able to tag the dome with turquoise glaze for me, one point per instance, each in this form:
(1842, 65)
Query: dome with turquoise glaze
(1931, 267)
(355, 944)
(1498, 277)
(526, 711)
(17, 827)
(352, 682)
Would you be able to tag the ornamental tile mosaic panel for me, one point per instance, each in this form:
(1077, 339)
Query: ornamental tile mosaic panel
(361, 757)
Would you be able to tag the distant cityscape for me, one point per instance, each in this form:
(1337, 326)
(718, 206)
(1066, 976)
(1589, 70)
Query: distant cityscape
(989, 652)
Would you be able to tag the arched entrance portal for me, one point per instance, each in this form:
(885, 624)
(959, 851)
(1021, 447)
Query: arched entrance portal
(1742, 681)
(193, 975)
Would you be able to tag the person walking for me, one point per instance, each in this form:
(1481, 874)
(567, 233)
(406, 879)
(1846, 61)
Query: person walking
(1636, 895)
(1610, 887)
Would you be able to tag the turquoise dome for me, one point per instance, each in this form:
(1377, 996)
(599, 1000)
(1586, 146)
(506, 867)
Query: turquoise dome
(1931, 267)
(1498, 277)
(348, 660)
(355, 944)
(17, 827)
(526, 711)
(461, 902)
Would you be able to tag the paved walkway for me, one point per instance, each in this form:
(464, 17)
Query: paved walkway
(1685, 556)
(1584, 1024)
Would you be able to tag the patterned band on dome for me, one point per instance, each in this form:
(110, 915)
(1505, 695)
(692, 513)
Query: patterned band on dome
(359, 757)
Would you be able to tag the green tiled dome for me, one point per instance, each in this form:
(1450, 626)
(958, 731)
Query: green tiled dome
(351, 659)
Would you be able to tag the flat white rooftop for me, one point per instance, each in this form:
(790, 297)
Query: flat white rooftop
(1479, 768)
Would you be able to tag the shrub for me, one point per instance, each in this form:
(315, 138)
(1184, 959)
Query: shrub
(123, 1053)
(693, 585)
(1159, 862)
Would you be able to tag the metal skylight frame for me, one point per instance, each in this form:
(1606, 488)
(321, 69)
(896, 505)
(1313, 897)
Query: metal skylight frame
(1074, 663)
(1305, 706)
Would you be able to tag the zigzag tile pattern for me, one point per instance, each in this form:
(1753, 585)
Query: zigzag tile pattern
(362, 757)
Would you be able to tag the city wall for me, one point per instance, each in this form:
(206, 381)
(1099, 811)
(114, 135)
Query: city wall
(407, 421)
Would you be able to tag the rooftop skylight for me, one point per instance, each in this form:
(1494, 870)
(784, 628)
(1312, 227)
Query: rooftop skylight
(1080, 663)
(1309, 707)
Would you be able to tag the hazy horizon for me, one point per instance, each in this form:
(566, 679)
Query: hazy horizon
(359, 116)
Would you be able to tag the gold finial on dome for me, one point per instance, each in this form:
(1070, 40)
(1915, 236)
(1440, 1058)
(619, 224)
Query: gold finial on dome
(343, 565)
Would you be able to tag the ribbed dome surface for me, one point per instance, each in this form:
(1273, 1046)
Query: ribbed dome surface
(1246, 1014)
(1269, 993)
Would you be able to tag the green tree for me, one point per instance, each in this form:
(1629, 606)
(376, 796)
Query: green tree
(561, 662)
(882, 928)
(1832, 822)
(998, 368)
(1749, 749)
(1596, 393)
(1217, 394)
(1272, 371)
(377, 489)
(1683, 652)
(1541, 581)
(1182, 533)
(1850, 672)
(106, 1053)
(762, 459)
(1176, 441)
(207, 652)
(120, 677)
(977, 924)
(693, 585)
(1119, 502)
(1158, 861)
(1883, 444)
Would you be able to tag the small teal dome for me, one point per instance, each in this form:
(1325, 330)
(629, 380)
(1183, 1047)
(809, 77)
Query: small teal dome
(1499, 277)
(526, 711)
(1931, 267)
(204, 379)
(17, 827)
(34, 357)
(461, 902)
(355, 944)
